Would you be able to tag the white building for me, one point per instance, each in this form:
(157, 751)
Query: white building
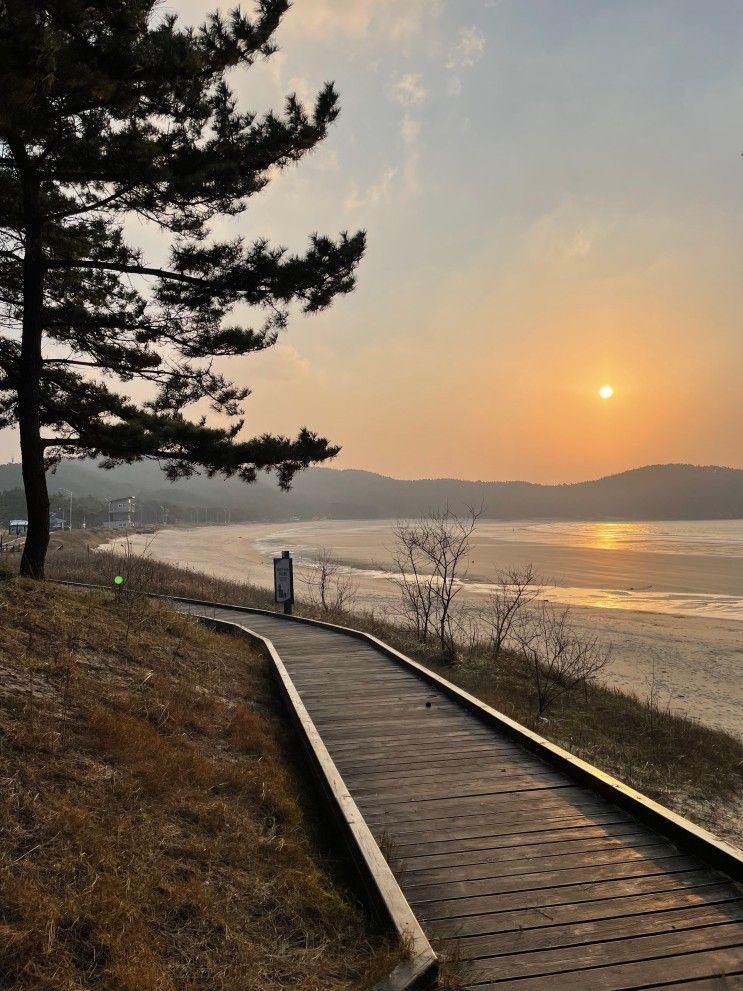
(121, 513)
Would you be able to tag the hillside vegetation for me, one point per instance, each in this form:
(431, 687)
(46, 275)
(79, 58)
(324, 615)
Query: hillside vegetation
(654, 492)
(155, 833)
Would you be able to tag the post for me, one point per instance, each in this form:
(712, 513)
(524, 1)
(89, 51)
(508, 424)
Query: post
(283, 581)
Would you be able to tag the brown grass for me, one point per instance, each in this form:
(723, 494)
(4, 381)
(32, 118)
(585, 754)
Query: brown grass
(696, 770)
(154, 834)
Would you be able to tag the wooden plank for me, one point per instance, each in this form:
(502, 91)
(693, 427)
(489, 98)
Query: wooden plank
(518, 895)
(534, 798)
(384, 746)
(661, 972)
(438, 876)
(424, 762)
(475, 927)
(499, 851)
(617, 951)
(495, 783)
(343, 739)
(619, 927)
(517, 880)
(423, 847)
(720, 983)
(404, 777)
(415, 757)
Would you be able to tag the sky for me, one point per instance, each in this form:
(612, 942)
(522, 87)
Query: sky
(553, 196)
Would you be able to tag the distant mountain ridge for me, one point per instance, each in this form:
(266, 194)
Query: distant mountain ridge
(654, 492)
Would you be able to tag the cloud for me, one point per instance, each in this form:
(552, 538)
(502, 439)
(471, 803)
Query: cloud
(453, 86)
(395, 182)
(378, 192)
(574, 230)
(396, 21)
(468, 49)
(579, 245)
(408, 90)
(284, 363)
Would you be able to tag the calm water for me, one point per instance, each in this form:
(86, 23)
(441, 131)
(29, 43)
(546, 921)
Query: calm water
(669, 567)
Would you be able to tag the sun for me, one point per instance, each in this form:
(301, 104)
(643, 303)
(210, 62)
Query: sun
(606, 392)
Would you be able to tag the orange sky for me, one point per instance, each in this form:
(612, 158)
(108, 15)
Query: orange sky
(553, 195)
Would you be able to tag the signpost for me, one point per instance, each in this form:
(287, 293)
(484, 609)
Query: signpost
(283, 581)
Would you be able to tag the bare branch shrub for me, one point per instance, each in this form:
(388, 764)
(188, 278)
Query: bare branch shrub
(413, 581)
(515, 591)
(329, 585)
(560, 656)
(431, 557)
(137, 569)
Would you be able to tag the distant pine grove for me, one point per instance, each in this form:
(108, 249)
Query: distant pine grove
(655, 492)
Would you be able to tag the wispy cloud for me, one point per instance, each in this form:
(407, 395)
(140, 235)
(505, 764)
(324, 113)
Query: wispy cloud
(284, 363)
(396, 21)
(468, 50)
(407, 90)
(377, 192)
(395, 183)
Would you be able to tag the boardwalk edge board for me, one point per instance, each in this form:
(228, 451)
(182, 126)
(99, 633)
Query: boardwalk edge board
(420, 967)
(708, 847)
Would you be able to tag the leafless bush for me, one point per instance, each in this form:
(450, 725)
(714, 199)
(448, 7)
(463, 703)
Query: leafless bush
(138, 571)
(515, 591)
(560, 656)
(328, 584)
(431, 558)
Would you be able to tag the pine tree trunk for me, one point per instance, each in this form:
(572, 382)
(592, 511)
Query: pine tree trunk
(29, 387)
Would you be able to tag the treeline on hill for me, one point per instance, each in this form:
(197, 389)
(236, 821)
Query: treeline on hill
(656, 492)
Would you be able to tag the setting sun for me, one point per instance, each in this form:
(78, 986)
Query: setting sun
(606, 392)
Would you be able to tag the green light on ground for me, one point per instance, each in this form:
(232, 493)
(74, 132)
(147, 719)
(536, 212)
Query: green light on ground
(119, 580)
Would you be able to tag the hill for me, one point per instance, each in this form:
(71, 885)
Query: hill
(673, 491)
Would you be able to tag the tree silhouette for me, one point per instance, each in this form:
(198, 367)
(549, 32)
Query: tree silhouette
(111, 111)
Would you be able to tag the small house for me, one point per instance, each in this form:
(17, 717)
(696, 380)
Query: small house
(121, 513)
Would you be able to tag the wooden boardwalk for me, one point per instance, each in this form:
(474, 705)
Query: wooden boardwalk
(532, 882)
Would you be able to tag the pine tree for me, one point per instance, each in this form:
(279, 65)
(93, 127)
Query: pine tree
(110, 111)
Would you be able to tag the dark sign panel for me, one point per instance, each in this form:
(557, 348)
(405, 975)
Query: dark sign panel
(283, 579)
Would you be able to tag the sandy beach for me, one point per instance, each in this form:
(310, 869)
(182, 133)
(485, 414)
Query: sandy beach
(672, 617)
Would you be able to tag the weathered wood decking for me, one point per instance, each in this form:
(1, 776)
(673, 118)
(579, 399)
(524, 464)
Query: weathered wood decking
(529, 879)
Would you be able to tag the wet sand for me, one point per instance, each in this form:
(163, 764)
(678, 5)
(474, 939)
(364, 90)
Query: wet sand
(692, 657)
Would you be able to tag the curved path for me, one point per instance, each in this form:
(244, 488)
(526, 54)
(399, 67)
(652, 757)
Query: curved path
(527, 879)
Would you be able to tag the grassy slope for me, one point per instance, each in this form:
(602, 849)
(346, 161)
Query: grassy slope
(696, 770)
(152, 837)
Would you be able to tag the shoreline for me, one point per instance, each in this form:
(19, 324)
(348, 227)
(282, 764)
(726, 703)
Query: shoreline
(690, 663)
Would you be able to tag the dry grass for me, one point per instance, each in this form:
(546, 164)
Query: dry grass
(696, 770)
(154, 833)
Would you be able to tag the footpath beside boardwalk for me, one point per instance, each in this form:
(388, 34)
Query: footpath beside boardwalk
(527, 878)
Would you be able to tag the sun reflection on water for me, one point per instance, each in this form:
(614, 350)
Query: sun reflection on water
(611, 536)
